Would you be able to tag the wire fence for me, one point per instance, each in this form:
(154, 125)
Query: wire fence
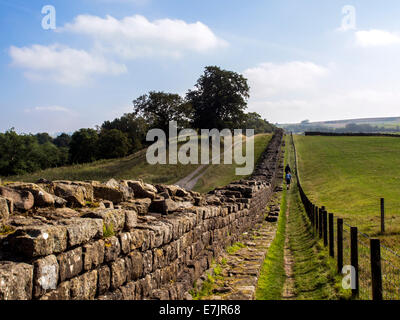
(374, 269)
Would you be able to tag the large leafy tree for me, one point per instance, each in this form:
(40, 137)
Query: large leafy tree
(43, 138)
(113, 144)
(134, 127)
(83, 146)
(159, 108)
(219, 99)
(63, 140)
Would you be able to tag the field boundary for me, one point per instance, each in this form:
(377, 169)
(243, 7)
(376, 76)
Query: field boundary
(350, 134)
(374, 269)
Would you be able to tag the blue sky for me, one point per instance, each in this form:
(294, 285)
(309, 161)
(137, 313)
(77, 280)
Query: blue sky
(300, 61)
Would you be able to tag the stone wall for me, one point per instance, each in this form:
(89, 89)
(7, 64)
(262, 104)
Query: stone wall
(122, 239)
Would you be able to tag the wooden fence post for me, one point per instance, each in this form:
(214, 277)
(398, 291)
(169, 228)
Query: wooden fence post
(325, 228)
(331, 239)
(312, 214)
(354, 258)
(382, 215)
(340, 245)
(316, 220)
(321, 221)
(376, 269)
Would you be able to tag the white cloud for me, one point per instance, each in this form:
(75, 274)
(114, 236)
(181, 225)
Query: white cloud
(374, 37)
(135, 36)
(62, 64)
(268, 79)
(59, 109)
(294, 91)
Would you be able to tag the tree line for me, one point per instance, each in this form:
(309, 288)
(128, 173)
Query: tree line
(348, 128)
(218, 100)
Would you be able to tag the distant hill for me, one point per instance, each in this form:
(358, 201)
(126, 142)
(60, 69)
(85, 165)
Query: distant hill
(383, 124)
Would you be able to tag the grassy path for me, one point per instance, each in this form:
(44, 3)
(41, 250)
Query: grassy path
(297, 266)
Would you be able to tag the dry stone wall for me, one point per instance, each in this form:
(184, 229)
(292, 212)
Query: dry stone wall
(122, 240)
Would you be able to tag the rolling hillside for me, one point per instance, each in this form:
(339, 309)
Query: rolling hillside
(136, 167)
(349, 175)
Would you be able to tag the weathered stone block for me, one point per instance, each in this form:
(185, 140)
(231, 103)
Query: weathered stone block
(147, 262)
(118, 273)
(125, 240)
(16, 281)
(93, 254)
(130, 219)
(102, 191)
(83, 230)
(4, 210)
(45, 275)
(21, 199)
(145, 286)
(84, 287)
(41, 197)
(71, 263)
(104, 280)
(134, 264)
(142, 190)
(112, 249)
(73, 194)
(38, 240)
(158, 259)
(160, 294)
(128, 291)
(110, 217)
(61, 293)
(137, 239)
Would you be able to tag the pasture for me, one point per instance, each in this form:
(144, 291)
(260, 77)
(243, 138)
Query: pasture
(349, 175)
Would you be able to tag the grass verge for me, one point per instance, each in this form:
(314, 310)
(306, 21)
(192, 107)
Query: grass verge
(272, 276)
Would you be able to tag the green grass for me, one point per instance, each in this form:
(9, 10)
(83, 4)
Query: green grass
(349, 175)
(132, 167)
(315, 272)
(315, 276)
(108, 230)
(272, 276)
(222, 174)
(235, 247)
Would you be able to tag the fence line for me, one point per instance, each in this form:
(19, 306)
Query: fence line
(376, 267)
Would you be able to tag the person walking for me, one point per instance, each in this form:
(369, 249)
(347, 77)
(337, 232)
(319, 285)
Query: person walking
(287, 169)
(288, 180)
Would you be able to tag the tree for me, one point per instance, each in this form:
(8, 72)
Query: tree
(43, 138)
(254, 121)
(113, 144)
(134, 127)
(159, 108)
(83, 146)
(219, 99)
(17, 153)
(62, 141)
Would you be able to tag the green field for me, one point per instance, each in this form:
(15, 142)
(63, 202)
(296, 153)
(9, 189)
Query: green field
(349, 175)
(136, 167)
(221, 175)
